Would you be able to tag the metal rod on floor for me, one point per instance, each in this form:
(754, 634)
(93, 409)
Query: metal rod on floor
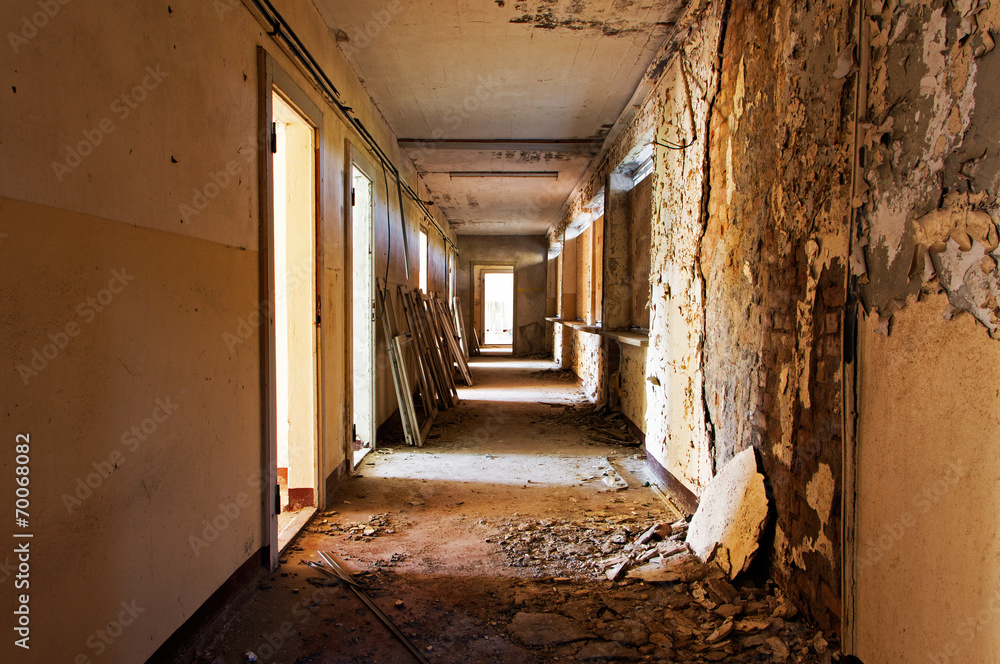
(340, 574)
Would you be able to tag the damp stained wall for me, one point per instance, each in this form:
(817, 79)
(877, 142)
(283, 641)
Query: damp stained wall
(530, 252)
(157, 224)
(774, 260)
(924, 557)
(750, 206)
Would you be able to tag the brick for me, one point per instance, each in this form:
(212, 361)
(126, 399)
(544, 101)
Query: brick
(834, 296)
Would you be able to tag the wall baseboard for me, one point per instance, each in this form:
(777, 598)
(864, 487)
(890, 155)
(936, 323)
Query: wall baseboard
(674, 487)
(333, 480)
(201, 628)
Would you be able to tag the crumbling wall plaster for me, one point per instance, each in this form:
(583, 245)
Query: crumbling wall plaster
(677, 434)
(773, 256)
(932, 172)
(585, 360)
(632, 385)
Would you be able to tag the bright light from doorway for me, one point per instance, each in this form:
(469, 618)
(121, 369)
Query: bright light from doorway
(423, 261)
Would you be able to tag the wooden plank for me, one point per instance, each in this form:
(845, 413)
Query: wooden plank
(441, 348)
(404, 398)
(409, 413)
(420, 332)
(476, 350)
(456, 312)
(396, 345)
(449, 337)
(435, 382)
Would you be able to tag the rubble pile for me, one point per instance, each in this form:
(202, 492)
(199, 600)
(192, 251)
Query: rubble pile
(657, 601)
(601, 425)
(585, 547)
(705, 619)
(375, 526)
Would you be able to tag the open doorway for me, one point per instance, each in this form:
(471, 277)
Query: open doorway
(292, 267)
(494, 306)
(362, 219)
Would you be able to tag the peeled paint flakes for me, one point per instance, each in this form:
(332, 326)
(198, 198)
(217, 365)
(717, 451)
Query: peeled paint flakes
(731, 515)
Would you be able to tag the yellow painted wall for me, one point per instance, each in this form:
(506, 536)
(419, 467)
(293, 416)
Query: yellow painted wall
(162, 184)
(928, 532)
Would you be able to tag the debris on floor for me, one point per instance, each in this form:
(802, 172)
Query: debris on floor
(585, 547)
(375, 526)
(731, 515)
(473, 569)
(558, 375)
(600, 425)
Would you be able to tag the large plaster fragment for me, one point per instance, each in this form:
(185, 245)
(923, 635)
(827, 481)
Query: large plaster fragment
(731, 515)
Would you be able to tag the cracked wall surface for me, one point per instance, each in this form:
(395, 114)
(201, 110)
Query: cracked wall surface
(806, 156)
(677, 436)
(773, 257)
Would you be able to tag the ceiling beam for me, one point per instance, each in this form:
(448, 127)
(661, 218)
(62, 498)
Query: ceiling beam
(580, 145)
(503, 174)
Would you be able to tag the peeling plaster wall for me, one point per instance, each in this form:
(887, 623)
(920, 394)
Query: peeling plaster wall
(927, 396)
(677, 436)
(773, 259)
(585, 361)
(632, 385)
(934, 167)
(641, 208)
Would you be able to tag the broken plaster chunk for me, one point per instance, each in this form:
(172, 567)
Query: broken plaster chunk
(731, 515)
(962, 239)
(721, 632)
(684, 568)
(779, 651)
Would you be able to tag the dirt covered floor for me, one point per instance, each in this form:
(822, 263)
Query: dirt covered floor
(494, 543)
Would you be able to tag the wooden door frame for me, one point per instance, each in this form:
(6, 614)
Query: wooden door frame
(354, 155)
(485, 265)
(272, 78)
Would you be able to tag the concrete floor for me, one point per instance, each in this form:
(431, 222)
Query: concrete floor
(505, 509)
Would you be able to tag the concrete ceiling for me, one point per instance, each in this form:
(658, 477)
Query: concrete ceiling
(477, 87)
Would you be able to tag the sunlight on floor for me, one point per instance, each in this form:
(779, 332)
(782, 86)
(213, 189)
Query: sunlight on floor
(493, 468)
(537, 365)
(516, 387)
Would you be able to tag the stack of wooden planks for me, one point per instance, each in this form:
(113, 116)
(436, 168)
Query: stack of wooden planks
(431, 345)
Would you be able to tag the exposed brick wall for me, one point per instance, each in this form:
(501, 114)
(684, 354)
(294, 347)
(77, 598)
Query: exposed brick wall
(780, 156)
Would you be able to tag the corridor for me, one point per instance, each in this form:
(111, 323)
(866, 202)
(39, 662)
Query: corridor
(705, 257)
(506, 512)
